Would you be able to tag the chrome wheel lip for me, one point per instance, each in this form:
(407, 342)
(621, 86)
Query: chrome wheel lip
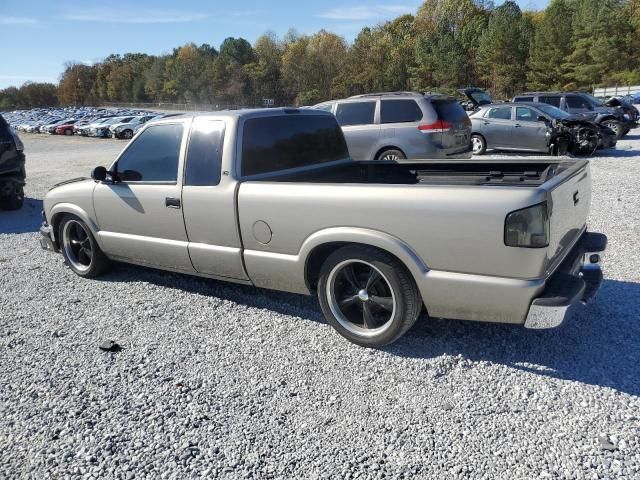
(339, 315)
(476, 144)
(66, 244)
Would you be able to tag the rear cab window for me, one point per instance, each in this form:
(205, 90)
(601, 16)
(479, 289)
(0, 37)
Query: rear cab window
(278, 143)
(399, 111)
(550, 100)
(356, 113)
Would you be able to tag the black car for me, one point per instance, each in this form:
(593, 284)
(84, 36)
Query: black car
(12, 172)
(583, 104)
(630, 112)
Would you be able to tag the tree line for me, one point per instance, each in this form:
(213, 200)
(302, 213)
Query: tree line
(448, 44)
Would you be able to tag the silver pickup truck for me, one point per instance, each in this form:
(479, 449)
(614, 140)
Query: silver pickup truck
(271, 198)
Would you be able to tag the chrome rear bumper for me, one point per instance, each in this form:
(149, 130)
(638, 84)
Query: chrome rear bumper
(574, 283)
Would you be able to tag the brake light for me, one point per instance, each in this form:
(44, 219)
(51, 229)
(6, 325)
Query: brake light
(438, 126)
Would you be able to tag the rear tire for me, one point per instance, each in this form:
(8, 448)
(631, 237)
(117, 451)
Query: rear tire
(127, 134)
(80, 249)
(368, 296)
(14, 201)
(478, 144)
(391, 154)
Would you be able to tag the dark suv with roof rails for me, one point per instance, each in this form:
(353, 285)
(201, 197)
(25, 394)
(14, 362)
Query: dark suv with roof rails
(402, 125)
(583, 104)
(12, 172)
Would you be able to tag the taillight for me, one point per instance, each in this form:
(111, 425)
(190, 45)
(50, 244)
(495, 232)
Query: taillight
(438, 126)
(528, 227)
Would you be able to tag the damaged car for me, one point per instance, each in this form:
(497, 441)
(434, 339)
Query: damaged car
(12, 172)
(535, 127)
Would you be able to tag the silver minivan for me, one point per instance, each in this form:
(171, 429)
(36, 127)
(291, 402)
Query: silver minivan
(402, 125)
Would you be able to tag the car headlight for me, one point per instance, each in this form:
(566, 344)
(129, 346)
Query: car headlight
(528, 227)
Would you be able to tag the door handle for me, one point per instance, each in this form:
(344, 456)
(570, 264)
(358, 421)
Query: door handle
(485, 122)
(171, 202)
(517, 125)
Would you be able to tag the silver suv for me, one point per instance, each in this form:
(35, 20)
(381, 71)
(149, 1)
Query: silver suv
(400, 125)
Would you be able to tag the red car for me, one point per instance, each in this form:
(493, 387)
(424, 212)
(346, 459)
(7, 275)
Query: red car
(66, 129)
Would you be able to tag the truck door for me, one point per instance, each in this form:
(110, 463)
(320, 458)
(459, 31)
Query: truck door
(139, 218)
(209, 203)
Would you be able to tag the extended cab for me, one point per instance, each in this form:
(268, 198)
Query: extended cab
(271, 198)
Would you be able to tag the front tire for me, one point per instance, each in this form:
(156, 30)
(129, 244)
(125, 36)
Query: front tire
(392, 155)
(80, 249)
(614, 125)
(478, 144)
(368, 296)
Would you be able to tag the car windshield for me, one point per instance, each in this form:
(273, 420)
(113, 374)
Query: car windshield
(552, 111)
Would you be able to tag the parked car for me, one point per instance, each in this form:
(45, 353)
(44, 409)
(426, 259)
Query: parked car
(66, 128)
(125, 129)
(157, 117)
(535, 127)
(631, 113)
(101, 129)
(52, 128)
(583, 104)
(271, 198)
(402, 125)
(12, 171)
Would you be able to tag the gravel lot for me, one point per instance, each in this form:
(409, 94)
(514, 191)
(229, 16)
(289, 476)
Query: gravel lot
(223, 381)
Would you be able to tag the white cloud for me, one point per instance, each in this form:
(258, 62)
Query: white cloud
(18, 21)
(134, 17)
(367, 12)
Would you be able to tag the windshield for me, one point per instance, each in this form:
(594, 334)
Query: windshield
(552, 111)
(592, 100)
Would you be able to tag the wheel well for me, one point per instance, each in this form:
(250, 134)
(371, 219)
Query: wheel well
(388, 147)
(606, 119)
(319, 255)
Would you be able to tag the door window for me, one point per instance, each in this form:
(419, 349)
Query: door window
(356, 113)
(154, 154)
(555, 101)
(399, 111)
(500, 113)
(204, 155)
(524, 114)
(574, 101)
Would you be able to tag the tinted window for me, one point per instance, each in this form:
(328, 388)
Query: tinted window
(523, 99)
(270, 144)
(450, 110)
(501, 113)
(204, 155)
(525, 114)
(356, 113)
(5, 134)
(399, 111)
(573, 101)
(555, 101)
(154, 154)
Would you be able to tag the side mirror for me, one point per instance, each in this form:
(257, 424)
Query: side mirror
(99, 174)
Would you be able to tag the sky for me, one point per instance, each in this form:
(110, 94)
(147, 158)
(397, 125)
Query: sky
(37, 37)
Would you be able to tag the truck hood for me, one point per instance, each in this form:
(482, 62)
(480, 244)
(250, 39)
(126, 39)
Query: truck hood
(67, 182)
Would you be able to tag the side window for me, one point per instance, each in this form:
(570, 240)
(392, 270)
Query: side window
(204, 154)
(574, 101)
(356, 113)
(555, 101)
(524, 114)
(154, 154)
(500, 113)
(523, 99)
(399, 111)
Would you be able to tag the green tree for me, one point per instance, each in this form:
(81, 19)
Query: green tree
(503, 50)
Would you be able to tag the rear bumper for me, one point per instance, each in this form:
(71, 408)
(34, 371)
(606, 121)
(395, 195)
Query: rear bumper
(574, 283)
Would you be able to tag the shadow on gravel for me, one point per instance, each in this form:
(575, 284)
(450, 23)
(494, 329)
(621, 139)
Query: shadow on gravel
(25, 220)
(598, 347)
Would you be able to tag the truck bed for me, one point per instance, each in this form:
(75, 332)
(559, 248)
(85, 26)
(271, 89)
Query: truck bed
(436, 172)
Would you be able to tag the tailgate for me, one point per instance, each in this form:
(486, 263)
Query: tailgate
(455, 134)
(568, 201)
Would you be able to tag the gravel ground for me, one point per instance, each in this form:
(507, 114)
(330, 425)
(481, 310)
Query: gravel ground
(223, 381)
